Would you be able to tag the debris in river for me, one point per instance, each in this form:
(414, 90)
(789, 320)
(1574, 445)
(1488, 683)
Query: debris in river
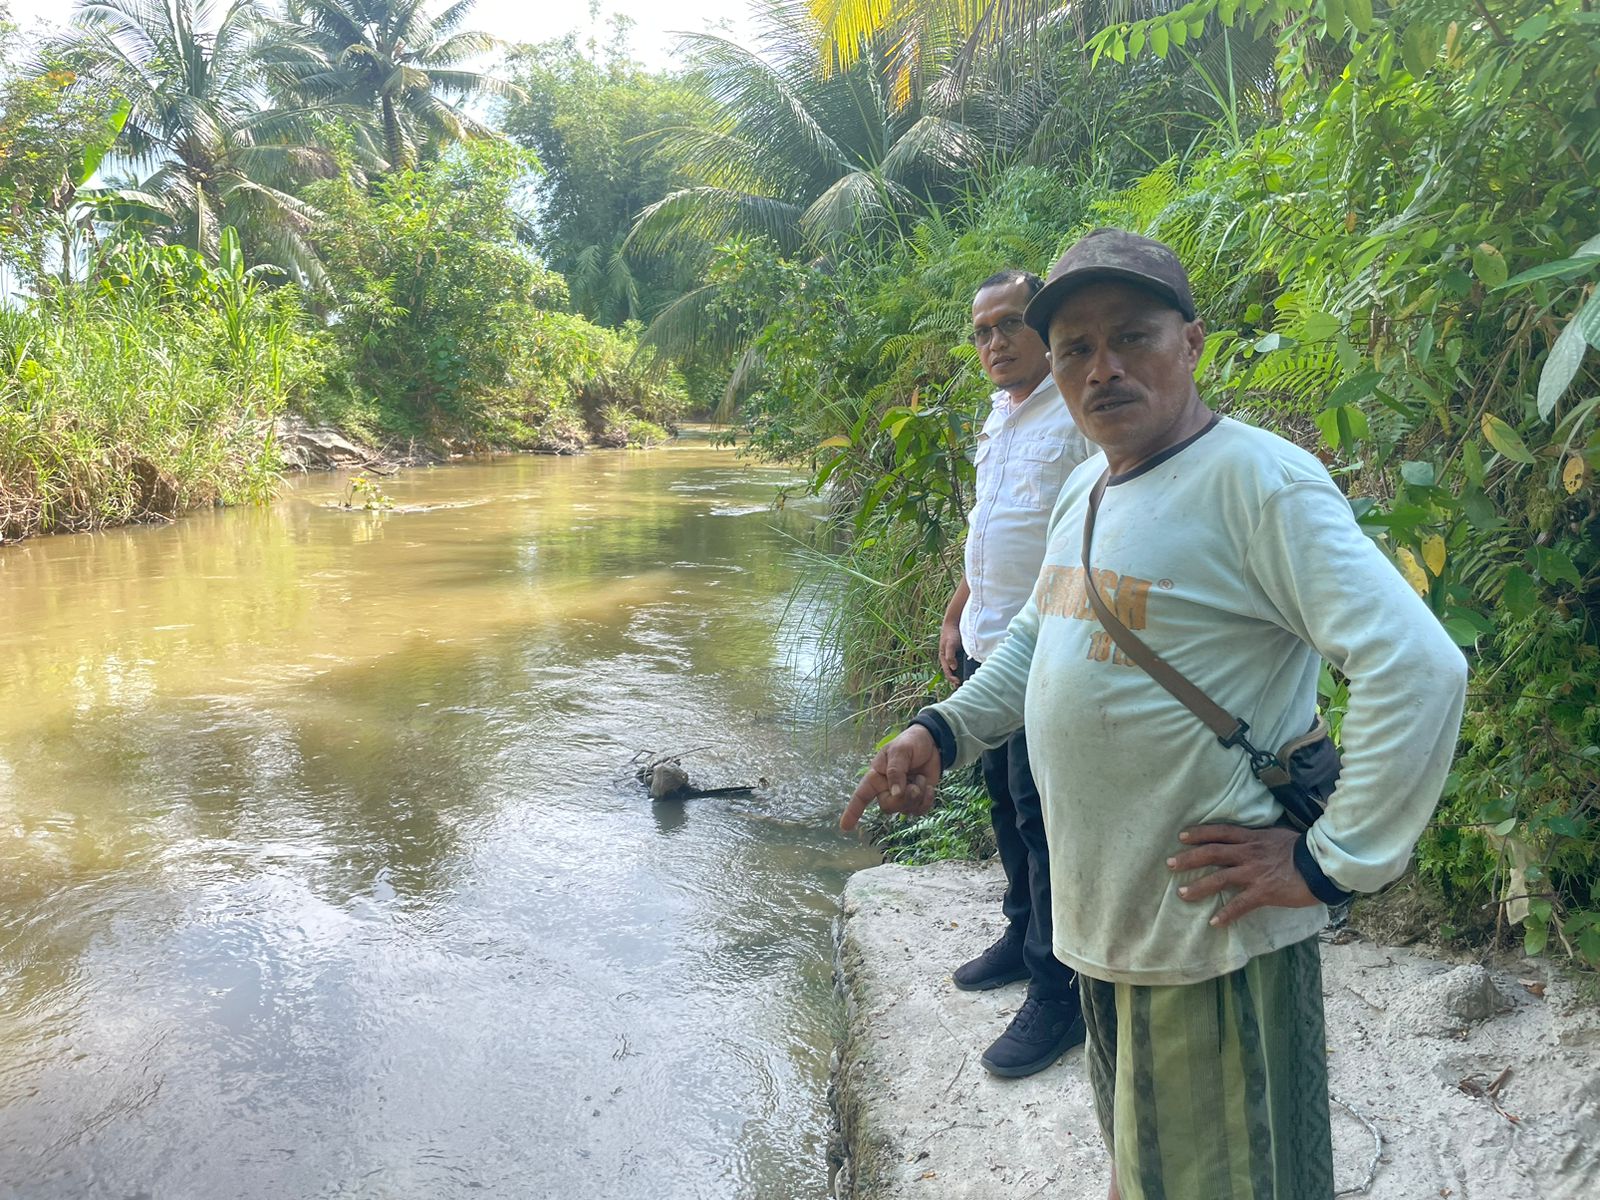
(665, 778)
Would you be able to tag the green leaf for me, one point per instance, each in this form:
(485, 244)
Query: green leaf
(1505, 827)
(1419, 47)
(1355, 389)
(1353, 423)
(1328, 422)
(1489, 265)
(1475, 619)
(1423, 347)
(1333, 12)
(1520, 594)
(1534, 936)
(1158, 40)
(1589, 945)
(1320, 326)
(1583, 261)
(1359, 13)
(1533, 27)
(1418, 474)
(1461, 633)
(1588, 321)
(1480, 511)
(230, 256)
(1562, 364)
(1504, 439)
(1472, 463)
(1554, 566)
(100, 145)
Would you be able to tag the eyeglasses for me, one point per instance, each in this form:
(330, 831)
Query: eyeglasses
(1008, 328)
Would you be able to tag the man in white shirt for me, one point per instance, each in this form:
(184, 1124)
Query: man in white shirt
(1028, 446)
(1189, 910)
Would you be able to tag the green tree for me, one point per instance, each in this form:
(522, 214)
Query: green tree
(54, 133)
(591, 119)
(201, 132)
(818, 165)
(400, 68)
(806, 159)
(434, 290)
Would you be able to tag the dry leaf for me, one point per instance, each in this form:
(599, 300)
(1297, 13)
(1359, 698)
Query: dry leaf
(1433, 553)
(1412, 570)
(1575, 474)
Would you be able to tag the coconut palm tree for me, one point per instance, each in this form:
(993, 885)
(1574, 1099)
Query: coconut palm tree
(202, 134)
(820, 164)
(806, 159)
(401, 68)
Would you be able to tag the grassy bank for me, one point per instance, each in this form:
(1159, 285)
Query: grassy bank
(151, 383)
(139, 401)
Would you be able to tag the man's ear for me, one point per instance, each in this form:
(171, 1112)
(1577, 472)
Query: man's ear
(1194, 340)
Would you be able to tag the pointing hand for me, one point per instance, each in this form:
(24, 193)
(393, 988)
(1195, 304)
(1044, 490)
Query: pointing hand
(902, 778)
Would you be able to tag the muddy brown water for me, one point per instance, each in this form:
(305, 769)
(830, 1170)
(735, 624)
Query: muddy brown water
(322, 873)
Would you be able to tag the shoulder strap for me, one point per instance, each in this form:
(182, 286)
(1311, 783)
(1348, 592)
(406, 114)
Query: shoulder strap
(1229, 729)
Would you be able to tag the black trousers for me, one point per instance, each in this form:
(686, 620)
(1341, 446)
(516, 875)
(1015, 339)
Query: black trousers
(1017, 812)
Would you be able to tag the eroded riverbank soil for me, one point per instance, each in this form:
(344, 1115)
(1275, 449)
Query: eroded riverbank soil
(1416, 1047)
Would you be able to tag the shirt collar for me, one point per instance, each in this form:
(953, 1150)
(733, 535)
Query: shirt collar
(1001, 399)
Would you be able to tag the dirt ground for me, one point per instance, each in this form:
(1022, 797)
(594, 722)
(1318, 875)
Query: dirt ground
(1449, 1079)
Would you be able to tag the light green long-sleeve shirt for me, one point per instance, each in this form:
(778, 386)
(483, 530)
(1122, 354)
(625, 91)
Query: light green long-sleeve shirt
(1238, 561)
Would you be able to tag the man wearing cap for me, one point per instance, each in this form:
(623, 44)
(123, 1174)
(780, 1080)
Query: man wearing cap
(1189, 912)
(1028, 446)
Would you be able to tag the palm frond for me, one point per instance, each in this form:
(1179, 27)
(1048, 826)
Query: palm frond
(710, 215)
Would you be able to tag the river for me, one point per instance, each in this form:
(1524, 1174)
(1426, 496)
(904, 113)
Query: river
(325, 874)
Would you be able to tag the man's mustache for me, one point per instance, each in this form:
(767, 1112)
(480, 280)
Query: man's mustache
(1109, 393)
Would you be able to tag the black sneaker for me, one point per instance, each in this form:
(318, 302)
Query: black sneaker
(997, 966)
(1041, 1032)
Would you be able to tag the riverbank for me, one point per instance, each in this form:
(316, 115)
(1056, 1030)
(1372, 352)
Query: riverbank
(1416, 1045)
(48, 486)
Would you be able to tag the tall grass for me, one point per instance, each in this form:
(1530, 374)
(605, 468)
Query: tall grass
(125, 404)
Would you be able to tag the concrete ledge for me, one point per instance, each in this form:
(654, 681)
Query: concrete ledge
(1414, 1045)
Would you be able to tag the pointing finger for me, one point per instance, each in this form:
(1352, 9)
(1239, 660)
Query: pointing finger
(854, 810)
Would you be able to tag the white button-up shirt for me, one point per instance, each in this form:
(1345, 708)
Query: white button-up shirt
(1024, 454)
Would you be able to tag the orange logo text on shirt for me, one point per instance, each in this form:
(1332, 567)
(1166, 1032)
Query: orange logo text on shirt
(1061, 594)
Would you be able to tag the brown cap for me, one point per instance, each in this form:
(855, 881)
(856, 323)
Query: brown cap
(1111, 254)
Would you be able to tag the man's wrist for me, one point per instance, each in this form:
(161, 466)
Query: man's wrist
(943, 736)
(1317, 880)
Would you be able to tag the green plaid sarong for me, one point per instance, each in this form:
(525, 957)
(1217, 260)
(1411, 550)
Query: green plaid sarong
(1215, 1090)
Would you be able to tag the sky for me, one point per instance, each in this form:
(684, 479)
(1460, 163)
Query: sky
(651, 39)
